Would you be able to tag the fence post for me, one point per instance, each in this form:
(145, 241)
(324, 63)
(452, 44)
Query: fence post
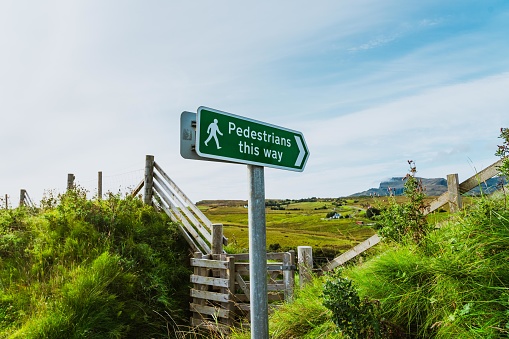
(229, 274)
(70, 181)
(149, 179)
(305, 259)
(288, 275)
(453, 188)
(22, 197)
(198, 301)
(6, 201)
(217, 239)
(99, 185)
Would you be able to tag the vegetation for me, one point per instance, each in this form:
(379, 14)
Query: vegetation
(305, 317)
(455, 285)
(447, 281)
(400, 222)
(292, 223)
(76, 268)
(91, 269)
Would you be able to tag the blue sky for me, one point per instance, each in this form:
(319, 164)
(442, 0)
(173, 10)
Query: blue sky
(88, 86)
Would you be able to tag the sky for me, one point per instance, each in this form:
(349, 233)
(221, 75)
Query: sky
(88, 86)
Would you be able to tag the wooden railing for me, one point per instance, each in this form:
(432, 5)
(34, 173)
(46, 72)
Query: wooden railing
(452, 197)
(161, 191)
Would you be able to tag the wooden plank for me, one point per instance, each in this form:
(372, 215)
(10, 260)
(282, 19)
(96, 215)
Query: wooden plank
(206, 233)
(188, 201)
(182, 230)
(189, 240)
(242, 284)
(240, 257)
(270, 256)
(271, 287)
(243, 267)
(276, 287)
(209, 263)
(243, 270)
(214, 296)
(437, 203)
(209, 310)
(138, 188)
(275, 256)
(188, 227)
(482, 176)
(196, 279)
(363, 246)
(241, 298)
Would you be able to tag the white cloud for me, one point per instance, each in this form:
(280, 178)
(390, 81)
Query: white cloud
(93, 85)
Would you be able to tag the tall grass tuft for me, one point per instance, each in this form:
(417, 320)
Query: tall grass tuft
(304, 317)
(454, 285)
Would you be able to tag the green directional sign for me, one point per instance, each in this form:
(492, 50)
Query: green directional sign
(226, 136)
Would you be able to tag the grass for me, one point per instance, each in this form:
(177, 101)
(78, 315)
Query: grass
(91, 269)
(454, 286)
(305, 317)
(299, 224)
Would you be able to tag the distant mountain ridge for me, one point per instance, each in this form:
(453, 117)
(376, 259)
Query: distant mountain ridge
(433, 186)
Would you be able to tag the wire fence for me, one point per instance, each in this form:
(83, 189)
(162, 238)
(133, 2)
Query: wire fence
(120, 183)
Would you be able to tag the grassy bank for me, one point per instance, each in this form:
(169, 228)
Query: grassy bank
(454, 285)
(91, 269)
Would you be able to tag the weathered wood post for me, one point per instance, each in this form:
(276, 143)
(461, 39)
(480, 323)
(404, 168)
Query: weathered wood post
(217, 240)
(305, 259)
(149, 179)
(6, 201)
(70, 181)
(453, 188)
(198, 271)
(22, 194)
(288, 274)
(99, 185)
(229, 274)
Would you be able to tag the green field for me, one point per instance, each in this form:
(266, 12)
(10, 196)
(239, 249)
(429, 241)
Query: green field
(298, 224)
(302, 223)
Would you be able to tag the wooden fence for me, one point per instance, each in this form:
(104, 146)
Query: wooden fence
(221, 288)
(451, 197)
(161, 191)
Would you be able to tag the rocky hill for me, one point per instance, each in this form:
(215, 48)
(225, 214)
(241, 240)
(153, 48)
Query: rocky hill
(434, 187)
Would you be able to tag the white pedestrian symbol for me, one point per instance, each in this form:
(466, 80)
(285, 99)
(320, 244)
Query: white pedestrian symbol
(212, 130)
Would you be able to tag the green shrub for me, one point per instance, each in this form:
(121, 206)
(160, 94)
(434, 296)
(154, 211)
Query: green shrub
(354, 316)
(91, 269)
(406, 221)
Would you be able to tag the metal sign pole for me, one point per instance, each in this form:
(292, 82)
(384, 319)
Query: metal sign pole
(257, 253)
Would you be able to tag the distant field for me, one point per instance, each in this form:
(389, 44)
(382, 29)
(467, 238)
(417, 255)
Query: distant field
(298, 224)
(303, 223)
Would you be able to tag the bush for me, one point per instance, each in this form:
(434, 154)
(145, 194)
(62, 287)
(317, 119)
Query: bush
(354, 316)
(95, 269)
(407, 221)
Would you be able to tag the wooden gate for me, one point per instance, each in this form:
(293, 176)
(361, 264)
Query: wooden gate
(221, 288)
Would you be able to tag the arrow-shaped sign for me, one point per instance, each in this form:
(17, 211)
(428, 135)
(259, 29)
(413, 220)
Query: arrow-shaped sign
(226, 136)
